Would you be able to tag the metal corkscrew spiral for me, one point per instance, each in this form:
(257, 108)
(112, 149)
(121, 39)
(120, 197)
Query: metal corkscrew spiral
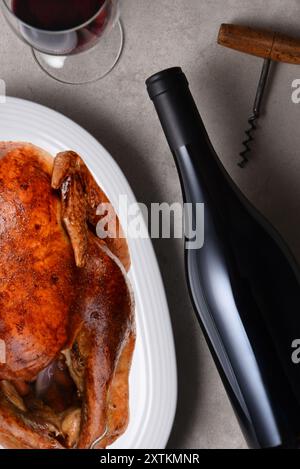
(256, 113)
(247, 142)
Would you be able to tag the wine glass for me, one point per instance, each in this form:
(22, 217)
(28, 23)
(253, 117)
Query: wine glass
(80, 54)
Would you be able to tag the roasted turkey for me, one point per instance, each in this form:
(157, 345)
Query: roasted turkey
(66, 307)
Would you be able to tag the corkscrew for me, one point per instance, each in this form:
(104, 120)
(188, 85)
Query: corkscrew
(269, 45)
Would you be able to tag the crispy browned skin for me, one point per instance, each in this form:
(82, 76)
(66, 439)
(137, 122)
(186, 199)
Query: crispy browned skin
(81, 197)
(66, 309)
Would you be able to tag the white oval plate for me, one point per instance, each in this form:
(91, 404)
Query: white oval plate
(153, 379)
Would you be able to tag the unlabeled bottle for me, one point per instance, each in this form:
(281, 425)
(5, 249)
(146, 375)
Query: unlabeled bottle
(243, 282)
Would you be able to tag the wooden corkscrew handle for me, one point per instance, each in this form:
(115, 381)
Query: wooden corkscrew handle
(261, 43)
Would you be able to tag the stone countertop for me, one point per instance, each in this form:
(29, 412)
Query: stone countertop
(118, 112)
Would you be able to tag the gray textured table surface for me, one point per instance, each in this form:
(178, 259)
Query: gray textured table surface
(118, 113)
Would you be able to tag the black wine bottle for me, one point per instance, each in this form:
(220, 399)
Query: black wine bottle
(244, 283)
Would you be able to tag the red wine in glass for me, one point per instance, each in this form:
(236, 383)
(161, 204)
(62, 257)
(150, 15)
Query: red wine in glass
(62, 15)
(59, 30)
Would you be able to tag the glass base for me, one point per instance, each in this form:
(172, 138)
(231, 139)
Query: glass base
(88, 66)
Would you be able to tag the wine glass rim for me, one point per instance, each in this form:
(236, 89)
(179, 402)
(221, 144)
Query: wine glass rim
(61, 31)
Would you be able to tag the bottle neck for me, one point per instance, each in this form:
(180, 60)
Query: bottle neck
(197, 163)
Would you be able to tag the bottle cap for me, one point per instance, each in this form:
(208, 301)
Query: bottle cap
(165, 80)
